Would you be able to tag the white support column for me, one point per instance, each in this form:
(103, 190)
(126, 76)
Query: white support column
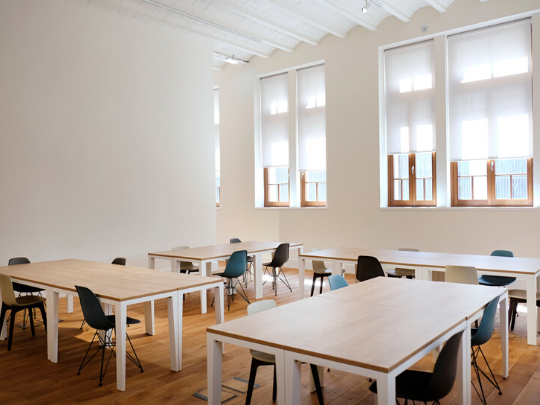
(281, 378)
(219, 304)
(69, 304)
(203, 271)
(214, 360)
(386, 389)
(503, 314)
(301, 276)
(149, 317)
(257, 259)
(175, 305)
(52, 325)
(532, 325)
(293, 379)
(336, 267)
(121, 315)
(463, 377)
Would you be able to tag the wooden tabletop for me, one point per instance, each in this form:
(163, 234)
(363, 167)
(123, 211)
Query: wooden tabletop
(119, 283)
(518, 265)
(377, 324)
(217, 251)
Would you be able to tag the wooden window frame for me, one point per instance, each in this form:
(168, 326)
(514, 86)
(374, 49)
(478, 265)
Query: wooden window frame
(303, 201)
(491, 200)
(412, 201)
(276, 203)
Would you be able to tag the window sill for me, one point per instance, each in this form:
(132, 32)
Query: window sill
(291, 208)
(458, 208)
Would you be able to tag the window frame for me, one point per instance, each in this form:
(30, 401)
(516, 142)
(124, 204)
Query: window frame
(303, 201)
(218, 190)
(278, 203)
(491, 200)
(412, 201)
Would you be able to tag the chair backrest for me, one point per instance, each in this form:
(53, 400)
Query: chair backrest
(505, 253)
(281, 256)
(337, 281)
(120, 261)
(184, 265)
(18, 260)
(368, 267)
(444, 372)
(260, 306)
(235, 240)
(318, 265)
(461, 274)
(485, 330)
(6, 289)
(237, 264)
(92, 310)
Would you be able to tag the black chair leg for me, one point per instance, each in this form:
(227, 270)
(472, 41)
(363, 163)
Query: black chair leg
(317, 381)
(30, 312)
(101, 374)
(274, 388)
(11, 327)
(251, 383)
(322, 280)
(313, 284)
(513, 308)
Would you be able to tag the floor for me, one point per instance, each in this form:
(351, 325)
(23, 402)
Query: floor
(27, 377)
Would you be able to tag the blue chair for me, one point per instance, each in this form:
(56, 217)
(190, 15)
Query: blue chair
(479, 337)
(497, 281)
(236, 267)
(337, 281)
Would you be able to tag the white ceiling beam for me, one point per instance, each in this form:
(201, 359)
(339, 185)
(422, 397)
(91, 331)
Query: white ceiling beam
(347, 14)
(310, 20)
(219, 25)
(396, 13)
(483, 1)
(148, 17)
(435, 4)
(264, 21)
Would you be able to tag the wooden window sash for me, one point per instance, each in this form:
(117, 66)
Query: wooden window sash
(412, 201)
(275, 203)
(424, 203)
(303, 201)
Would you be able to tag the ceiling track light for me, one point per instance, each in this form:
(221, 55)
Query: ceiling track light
(366, 7)
(229, 59)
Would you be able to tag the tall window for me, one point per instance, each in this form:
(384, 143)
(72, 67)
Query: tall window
(218, 160)
(410, 125)
(275, 140)
(312, 135)
(490, 115)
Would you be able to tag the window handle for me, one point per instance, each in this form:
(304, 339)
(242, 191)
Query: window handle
(413, 170)
(492, 165)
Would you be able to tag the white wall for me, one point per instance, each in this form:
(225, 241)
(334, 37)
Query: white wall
(353, 216)
(106, 135)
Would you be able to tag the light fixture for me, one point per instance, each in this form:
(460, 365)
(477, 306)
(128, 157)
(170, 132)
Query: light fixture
(229, 59)
(366, 8)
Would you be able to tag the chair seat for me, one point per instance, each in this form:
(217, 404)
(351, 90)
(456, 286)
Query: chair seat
(129, 321)
(410, 384)
(327, 272)
(23, 288)
(189, 267)
(397, 272)
(261, 356)
(29, 300)
(267, 264)
(495, 281)
(521, 294)
(250, 259)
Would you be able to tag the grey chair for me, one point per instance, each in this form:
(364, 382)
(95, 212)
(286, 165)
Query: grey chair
(320, 271)
(186, 267)
(461, 275)
(400, 272)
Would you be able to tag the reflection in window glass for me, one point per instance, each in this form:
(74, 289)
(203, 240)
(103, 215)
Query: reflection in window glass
(502, 187)
(420, 189)
(480, 188)
(405, 184)
(519, 187)
(397, 190)
(322, 192)
(465, 188)
(311, 191)
(284, 192)
(429, 189)
(273, 193)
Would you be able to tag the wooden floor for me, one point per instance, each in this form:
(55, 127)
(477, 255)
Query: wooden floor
(26, 376)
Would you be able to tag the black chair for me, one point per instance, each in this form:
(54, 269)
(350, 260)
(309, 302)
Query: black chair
(424, 386)
(250, 261)
(96, 318)
(236, 267)
(281, 256)
(479, 337)
(517, 297)
(368, 267)
(497, 281)
(10, 302)
(24, 289)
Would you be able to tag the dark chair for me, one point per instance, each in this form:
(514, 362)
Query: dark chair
(424, 386)
(479, 337)
(281, 256)
(336, 282)
(497, 281)
(368, 267)
(236, 267)
(519, 297)
(264, 359)
(96, 318)
(9, 302)
(250, 261)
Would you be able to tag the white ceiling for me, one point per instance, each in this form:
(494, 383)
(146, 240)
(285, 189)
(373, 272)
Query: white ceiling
(244, 28)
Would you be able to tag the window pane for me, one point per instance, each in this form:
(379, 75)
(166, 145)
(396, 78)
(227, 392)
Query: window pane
(283, 192)
(405, 189)
(510, 166)
(282, 174)
(397, 190)
(423, 165)
(218, 178)
(401, 166)
(315, 176)
(429, 189)
(311, 191)
(273, 193)
(502, 187)
(420, 189)
(322, 191)
(464, 187)
(472, 168)
(272, 175)
(217, 194)
(480, 188)
(519, 187)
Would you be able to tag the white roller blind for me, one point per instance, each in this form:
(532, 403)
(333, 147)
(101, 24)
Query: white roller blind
(216, 127)
(410, 98)
(490, 91)
(275, 121)
(311, 119)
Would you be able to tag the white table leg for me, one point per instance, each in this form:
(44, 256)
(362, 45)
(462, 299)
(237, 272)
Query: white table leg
(292, 380)
(175, 305)
(52, 325)
(69, 304)
(503, 314)
(464, 368)
(301, 276)
(257, 262)
(3, 333)
(151, 262)
(203, 271)
(149, 317)
(532, 326)
(386, 390)
(219, 304)
(214, 359)
(336, 267)
(121, 315)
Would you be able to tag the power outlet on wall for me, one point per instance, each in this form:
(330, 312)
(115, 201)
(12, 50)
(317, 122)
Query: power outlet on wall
(424, 28)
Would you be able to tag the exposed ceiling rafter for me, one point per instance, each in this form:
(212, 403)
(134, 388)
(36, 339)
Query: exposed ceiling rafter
(396, 13)
(436, 5)
(347, 14)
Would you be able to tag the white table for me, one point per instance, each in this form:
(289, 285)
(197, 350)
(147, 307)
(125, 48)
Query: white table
(354, 329)
(424, 263)
(118, 287)
(204, 256)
